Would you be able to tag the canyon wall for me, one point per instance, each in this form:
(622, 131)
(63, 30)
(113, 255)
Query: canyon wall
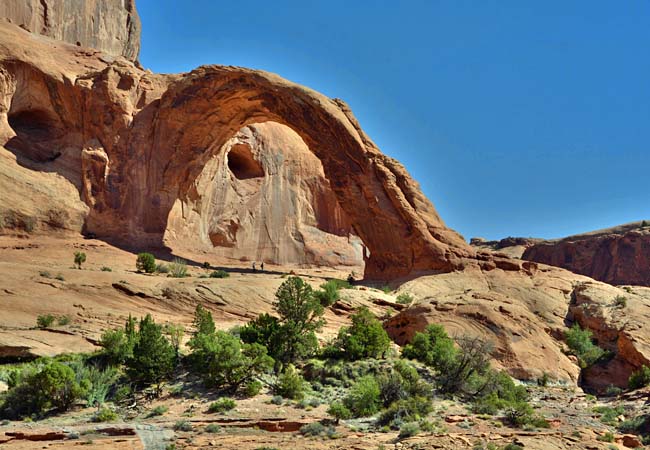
(112, 26)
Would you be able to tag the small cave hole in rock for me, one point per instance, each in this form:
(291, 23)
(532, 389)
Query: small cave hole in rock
(243, 164)
(35, 130)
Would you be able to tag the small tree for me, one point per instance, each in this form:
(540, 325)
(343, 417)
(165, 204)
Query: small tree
(153, 355)
(300, 317)
(145, 262)
(79, 259)
(366, 338)
(230, 364)
(175, 333)
(265, 330)
(116, 346)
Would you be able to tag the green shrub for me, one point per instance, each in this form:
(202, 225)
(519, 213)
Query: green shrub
(45, 320)
(433, 347)
(206, 265)
(264, 330)
(45, 274)
(59, 277)
(252, 388)
(405, 298)
(366, 338)
(158, 411)
(145, 262)
(219, 274)
(100, 383)
(339, 411)
(118, 344)
(405, 410)
(581, 345)
(221, 358)
(221, 406)
(408, 429)
(620, 301)
(64, 320)
(105, 415)
(312, 429)
(277, 400)
(513, 447)
(401, 382)
(162, 268)
(79, 259)
(183, 425)
(213, 428)
(290, 384)
(363, 399)
(607, 437)
(543, 380)
(609, 415)
(328, 293)
(640, 378)
(613, 391)
(35, 390)
(178, 268)
(106, 269)
(518, 413)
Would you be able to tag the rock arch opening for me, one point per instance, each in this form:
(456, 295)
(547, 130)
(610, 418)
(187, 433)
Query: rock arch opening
(242, 163)
(263, 196)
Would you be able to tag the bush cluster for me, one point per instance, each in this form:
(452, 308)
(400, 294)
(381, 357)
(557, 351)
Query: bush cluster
(581, 345)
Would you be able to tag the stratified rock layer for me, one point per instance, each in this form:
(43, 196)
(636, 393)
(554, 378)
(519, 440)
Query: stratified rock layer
(617, 256)
(112, 26)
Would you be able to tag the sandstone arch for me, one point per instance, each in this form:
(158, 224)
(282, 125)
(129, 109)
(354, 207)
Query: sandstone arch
(200, 112)
(135, 143)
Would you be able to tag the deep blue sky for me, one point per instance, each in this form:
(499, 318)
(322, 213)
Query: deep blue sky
(517, 117)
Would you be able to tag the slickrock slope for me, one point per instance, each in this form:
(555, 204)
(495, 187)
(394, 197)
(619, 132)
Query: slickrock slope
(112, 26)
(525, 313)
(617, 256)
(134, 145)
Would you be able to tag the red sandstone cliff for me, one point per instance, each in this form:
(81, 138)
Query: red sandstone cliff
(616, 256)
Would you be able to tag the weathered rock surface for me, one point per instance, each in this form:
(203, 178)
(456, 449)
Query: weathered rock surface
(266, 199)
(618, 320)
(112, 26)
(617, 256)
(525, 313)
(134, 145)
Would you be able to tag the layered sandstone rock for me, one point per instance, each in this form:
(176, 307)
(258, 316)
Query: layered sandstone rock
(112, 26)
(135, 145)
(617, 256)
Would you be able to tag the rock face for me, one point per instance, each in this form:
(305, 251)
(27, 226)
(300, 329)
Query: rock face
(135, 146)
(266, 198)
(112, 26)
(617, 256)
(525, 313)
